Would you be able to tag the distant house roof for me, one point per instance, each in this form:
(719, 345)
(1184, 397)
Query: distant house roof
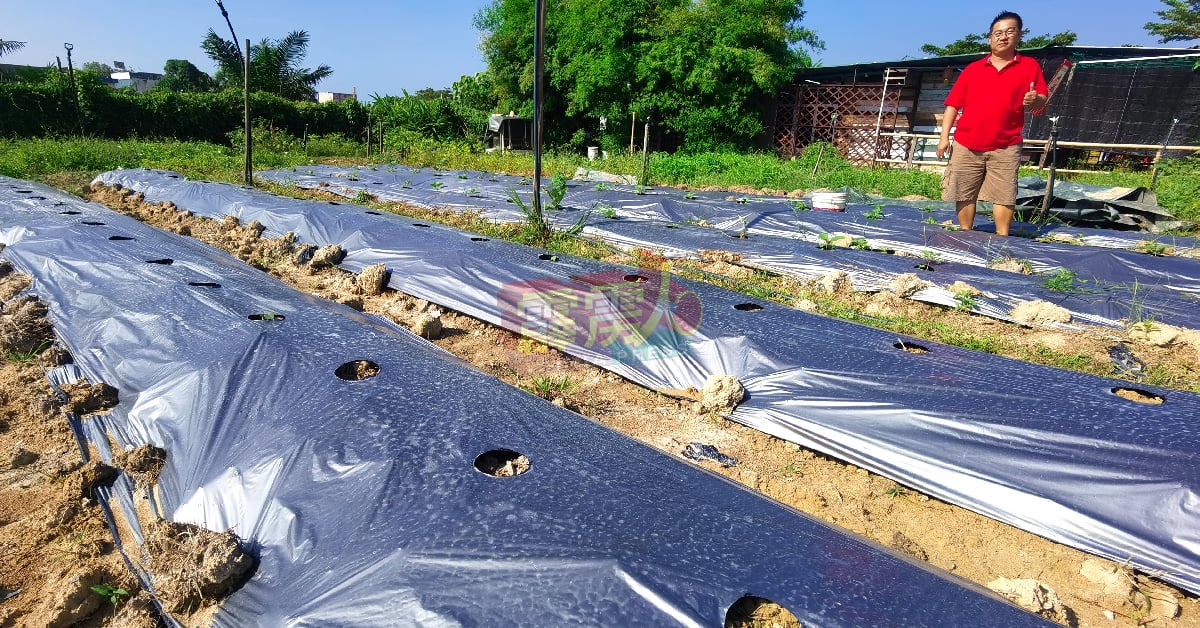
(872, 71)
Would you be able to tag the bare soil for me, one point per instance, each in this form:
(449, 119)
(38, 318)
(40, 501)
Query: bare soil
(1063, 584)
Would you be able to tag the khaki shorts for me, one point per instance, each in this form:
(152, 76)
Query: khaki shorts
(982, 175)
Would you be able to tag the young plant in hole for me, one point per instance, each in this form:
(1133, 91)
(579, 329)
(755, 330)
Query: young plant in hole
(603, 187)
(931, 255)
(875, 214)
(463, 176)
(640, 189)
(1063, 281)
(471, 191)
(436, 184)
(860, 244)
(607, 211)
(825, 242)
(557, 190)
(407, 184)
(930, 220)
(742, 200)
(690, 196)
(927, 208)
(965, 301)
(952, 227)
(109, 592)
(799, 206)
(1154, 247)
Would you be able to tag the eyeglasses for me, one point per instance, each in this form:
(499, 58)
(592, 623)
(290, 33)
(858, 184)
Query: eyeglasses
(1010, 32)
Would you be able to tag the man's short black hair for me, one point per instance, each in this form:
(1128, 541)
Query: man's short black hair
(1008, 15)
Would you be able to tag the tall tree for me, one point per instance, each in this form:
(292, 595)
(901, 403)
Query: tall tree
(702, 68)
(978, 42)
(274, 65)
(10, 46)
(180, 75)
(1181, 21)
(102, 69)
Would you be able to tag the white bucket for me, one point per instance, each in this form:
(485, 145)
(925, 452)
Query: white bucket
(829, 201)
(593, 153)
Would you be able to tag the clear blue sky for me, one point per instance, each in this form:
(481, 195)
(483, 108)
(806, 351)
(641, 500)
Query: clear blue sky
(385, 46)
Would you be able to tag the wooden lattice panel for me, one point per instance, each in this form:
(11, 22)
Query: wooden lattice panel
(806, 114)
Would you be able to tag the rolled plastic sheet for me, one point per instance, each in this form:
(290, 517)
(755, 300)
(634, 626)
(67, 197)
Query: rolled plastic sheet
(361, 498)
(1055, 452)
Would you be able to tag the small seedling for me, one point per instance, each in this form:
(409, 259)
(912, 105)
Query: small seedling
(860, 244)
(896, 491)
(557, 190)
(407, 184)
(603, 187)
(799, 206)
(362, 198)
(548, 386)
(1063, 281)
(525, 181)
(742, 200)
(927, 208)
(825, 241)
(931, 255)
(1154, 247)
(462, 176)
(690, 196)
(952, 227)
(875, 214)
(27, 356)
(436, 184)
(930, 220)
(109, 592)
(965, 301)
(471, 191)
(607, 212)
(790, 471)
(640, 189)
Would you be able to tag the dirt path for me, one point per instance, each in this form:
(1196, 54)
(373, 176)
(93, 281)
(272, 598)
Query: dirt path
(1070, 587)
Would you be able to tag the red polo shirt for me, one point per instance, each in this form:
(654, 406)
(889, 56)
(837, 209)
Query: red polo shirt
(990, 102)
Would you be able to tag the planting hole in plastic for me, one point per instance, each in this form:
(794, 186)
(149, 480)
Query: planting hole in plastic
(634, 278)
(546, 257)
(911, 347)
(1138, 395)
(924, 267)
(204, 284)
(748, 307)
(502, 463)
(71, 213)
(266, 316)
(93, 223)
(119, 238)
(749, 610)
(166, 261)
(375, 213)
(479, 239)
(357, 370)
(419, 224)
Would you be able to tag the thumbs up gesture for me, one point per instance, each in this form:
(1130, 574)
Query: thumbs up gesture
(1031, 96)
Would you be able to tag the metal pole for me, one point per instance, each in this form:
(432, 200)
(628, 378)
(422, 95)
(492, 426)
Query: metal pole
(249, 172)
(821, 149)
(539, 67)
(74, 89)
(645, 179)
(1044, 211)
(1158, 156)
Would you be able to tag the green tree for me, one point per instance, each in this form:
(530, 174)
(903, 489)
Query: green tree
(100, 69)
(978, 43)
(1181, 21)
(180, 75)
(475, 92)
(274, 65)
(704, 69)
(10, 46)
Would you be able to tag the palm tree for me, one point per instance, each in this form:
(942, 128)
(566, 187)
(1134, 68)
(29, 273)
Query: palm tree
(273, 65)
(10, 46)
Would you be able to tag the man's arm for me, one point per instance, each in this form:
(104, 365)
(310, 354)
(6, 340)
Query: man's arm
(948, 120)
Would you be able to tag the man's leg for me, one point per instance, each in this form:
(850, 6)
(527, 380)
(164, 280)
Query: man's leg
(1003, 214)
(966, 214)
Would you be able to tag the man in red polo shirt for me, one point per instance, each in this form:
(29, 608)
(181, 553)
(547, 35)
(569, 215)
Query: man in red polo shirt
(988, 102)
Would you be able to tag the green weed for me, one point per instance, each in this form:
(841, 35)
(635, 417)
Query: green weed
(110, 593)
(965, 301)
(1064, 281)
(875, 214)
(549, 387)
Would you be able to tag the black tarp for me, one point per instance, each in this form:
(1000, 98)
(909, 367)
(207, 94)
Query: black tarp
(360, 498)
(1054, 452)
